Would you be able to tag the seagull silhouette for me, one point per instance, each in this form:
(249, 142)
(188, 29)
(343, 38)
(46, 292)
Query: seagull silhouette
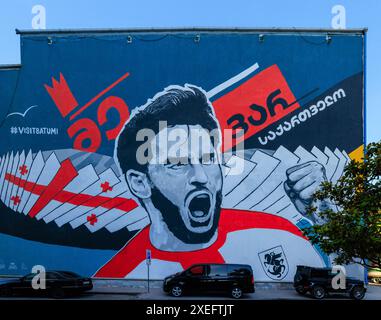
(22, 114)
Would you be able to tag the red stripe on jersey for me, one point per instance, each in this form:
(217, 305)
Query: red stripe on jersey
(133, 253)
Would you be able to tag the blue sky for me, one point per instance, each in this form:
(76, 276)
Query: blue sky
(61, 14)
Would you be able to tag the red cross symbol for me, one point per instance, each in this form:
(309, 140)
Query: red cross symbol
(92, 219)
(16, 200)
(23, 169)
(106, 186)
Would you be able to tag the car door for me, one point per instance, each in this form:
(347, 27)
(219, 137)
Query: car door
(238, 276)
(195, 278)
(329, 276)
(218, 279)
(322, 277)
(54, 280)
(24, 285)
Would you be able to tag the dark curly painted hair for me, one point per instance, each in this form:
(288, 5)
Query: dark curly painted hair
(176, 105)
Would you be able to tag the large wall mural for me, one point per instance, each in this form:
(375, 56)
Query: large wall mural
(286, 112)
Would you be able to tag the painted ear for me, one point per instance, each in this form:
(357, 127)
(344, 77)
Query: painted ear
(139, 184)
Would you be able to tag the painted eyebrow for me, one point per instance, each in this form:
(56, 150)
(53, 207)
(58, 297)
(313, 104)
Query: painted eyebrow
(176, 160)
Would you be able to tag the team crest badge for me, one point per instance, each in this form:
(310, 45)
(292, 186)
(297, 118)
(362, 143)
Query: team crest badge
(274, 263)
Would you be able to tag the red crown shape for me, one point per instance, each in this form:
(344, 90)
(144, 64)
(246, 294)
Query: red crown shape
(62, 96)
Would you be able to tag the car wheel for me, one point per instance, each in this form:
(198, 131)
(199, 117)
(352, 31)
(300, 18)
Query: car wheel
(357, 293)
(5, 292)
(318, 292)
(57, 293)
(177, 291)
(300, 290)
(236, 292)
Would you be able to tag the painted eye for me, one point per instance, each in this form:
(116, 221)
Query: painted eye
(175, 166)
(176, 163)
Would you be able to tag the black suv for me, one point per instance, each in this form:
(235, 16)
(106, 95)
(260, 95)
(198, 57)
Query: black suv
(318, 282)
(235, 279)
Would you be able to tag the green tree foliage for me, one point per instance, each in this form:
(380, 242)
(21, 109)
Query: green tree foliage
(353, 232)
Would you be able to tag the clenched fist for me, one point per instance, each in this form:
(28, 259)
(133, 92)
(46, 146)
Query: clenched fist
(302, 182)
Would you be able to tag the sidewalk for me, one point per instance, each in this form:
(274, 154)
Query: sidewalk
(127, 290)
(140, 286)
(123, 286)
(137, 290)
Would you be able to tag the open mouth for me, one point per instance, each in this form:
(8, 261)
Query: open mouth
(199, 205)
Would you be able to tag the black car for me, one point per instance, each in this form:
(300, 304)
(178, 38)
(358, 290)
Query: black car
(57, 284)
(235, 279)
(318, 282)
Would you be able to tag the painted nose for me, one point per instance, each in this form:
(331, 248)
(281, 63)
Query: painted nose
(198, 175)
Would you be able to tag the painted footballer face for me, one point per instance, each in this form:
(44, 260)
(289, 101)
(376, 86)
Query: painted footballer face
(187, 183)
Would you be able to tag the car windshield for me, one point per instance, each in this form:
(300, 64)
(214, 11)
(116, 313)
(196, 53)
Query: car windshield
(196, 270)
(29, 276)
